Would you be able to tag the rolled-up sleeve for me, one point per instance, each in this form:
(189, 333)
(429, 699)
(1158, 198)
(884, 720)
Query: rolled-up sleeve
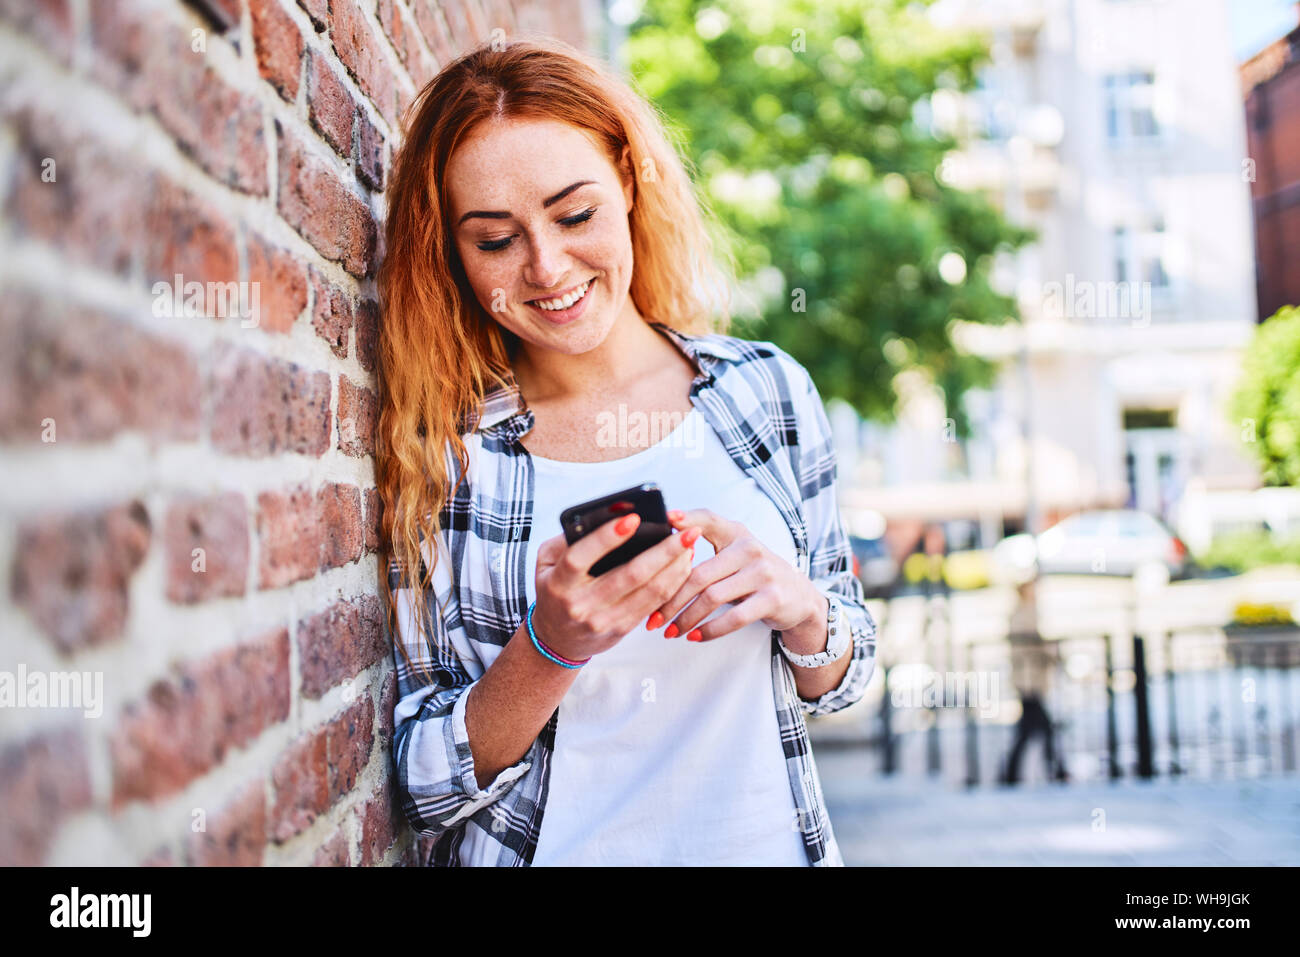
(436, 784)
(830, 556)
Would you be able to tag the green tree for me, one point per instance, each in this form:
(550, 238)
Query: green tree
(1266, 403)
(804, 120)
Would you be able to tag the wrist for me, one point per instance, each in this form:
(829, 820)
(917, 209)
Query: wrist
(548, 650)
(810, 636)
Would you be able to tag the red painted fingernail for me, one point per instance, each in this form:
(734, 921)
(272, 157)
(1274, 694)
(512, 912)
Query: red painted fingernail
(655, 621)
(676, 516)
(689, 537)
(695, 635)
(671, 631)
(627, 523)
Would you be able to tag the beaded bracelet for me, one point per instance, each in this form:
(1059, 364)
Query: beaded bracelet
(560, 660)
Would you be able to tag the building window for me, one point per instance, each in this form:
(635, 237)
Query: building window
(1130, 106)
(1140, 255)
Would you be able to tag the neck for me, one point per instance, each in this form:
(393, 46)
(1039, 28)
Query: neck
(630, 350)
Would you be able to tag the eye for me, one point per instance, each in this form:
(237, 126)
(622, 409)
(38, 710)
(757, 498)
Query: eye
(580, 218)
(496, 245)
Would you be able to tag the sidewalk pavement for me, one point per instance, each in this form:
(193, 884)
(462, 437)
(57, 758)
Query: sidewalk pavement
(1163, 823)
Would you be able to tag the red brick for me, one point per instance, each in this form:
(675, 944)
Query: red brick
(319, 11)
(279, 46)
(367, 326)
(379, 819)
(91, 210)
(403, 38)
(319, 768)
(360, 51)
(339, 643)
(148, 58)
(93, 375)
(235, 835)
(73, 573)
(358, 412)
(429, 19)
(187, 722)
(373, 506)
(264, 406)
(342, 537)
(323, 209)
(219, 526)
(302, 534)
(370, 152)
(49, 22)
(332, 314)
(334, 852)
(189, 237)
(281, 285)
(42, 780)
(458, 30)
(329, 104)
(289, 532)
(302, 791)
(351, 739)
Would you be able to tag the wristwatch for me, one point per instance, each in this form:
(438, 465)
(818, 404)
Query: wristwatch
(837, 639)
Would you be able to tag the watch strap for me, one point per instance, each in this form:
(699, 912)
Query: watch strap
(837, 639)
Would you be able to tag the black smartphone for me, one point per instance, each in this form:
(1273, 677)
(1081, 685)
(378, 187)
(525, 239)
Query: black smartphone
(645, 500)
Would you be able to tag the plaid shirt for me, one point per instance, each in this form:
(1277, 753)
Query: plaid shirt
(768, 414)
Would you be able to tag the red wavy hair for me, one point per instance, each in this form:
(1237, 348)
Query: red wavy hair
(440, 352)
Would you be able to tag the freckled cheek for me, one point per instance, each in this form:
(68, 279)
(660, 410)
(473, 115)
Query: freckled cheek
(609, 251)
(485, 279)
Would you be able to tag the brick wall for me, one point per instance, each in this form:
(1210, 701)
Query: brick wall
(1272, 81)
(189, 512)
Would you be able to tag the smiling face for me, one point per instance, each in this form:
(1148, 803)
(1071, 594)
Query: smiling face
(539, 217)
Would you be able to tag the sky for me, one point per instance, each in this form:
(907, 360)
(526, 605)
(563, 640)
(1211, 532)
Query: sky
(1256, 23)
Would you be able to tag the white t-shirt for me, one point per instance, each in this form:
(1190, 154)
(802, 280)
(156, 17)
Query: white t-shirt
(668, 751)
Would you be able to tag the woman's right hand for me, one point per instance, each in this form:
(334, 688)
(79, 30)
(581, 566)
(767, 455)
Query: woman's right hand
(578, 616)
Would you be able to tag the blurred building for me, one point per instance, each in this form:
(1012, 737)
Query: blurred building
(1115, 130)
(1270, 81)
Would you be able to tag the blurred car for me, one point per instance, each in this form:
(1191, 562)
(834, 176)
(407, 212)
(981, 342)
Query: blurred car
(1014, 560)
(873, 565)
(1111, 542)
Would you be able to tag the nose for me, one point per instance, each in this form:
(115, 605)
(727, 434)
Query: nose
(546, 263)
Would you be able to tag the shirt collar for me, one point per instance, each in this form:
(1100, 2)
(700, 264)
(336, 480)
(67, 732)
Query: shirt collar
(505, 403)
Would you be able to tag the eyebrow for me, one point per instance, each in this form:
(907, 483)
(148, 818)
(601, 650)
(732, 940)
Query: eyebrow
(499, 214)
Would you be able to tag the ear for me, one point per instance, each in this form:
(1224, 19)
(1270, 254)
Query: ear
(628, 175)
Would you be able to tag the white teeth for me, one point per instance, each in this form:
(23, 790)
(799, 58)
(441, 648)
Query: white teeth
(564, 302)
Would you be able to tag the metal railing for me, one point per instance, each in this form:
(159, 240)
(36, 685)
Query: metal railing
(1202, 703)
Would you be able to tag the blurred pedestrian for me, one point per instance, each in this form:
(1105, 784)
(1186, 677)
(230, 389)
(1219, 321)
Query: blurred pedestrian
(935, 544)
(1032, 663)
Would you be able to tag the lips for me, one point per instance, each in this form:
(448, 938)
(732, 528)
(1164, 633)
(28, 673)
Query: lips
(571, 312)
(564, 300)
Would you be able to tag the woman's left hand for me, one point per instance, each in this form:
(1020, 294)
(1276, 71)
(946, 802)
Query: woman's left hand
(763, 585)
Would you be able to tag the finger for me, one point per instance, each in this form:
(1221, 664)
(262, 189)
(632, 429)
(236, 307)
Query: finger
(645, 599)
(722, 592)
(702, 576)
(719, 531)
(592, 547)
(618, 584)
(761, 604)
(551, 551)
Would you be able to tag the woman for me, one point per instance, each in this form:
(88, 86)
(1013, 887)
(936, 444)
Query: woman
(545, 283)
